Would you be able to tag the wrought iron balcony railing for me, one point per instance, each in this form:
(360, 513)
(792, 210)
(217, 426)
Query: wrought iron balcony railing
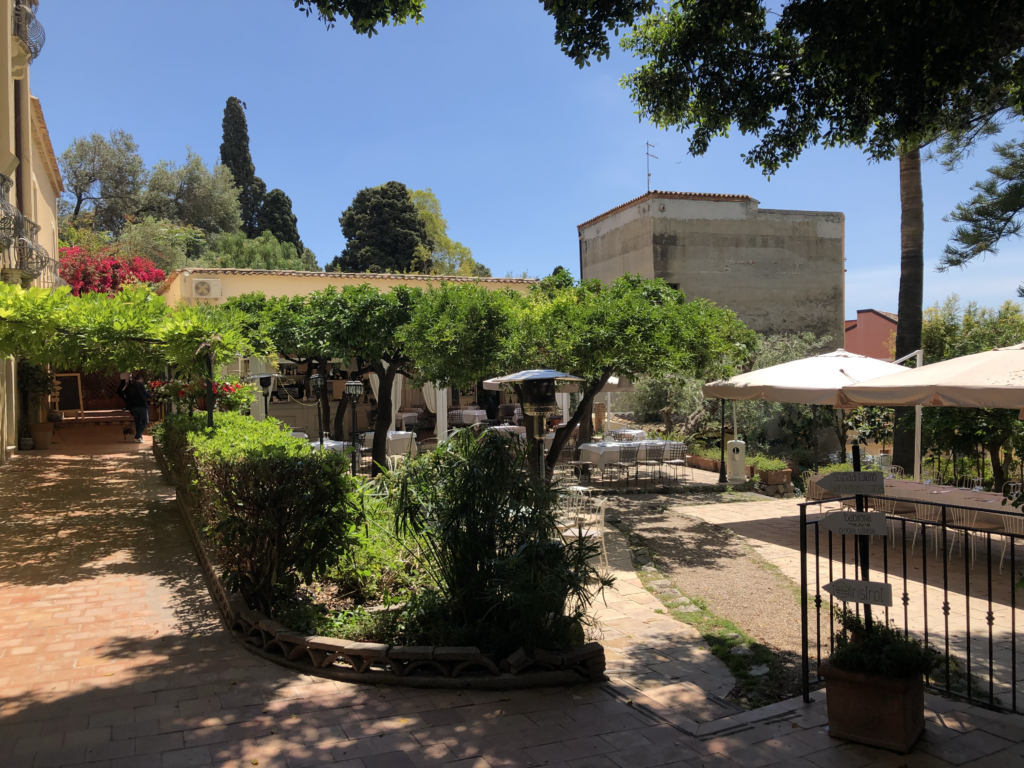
(10, 216)
(28, 28)
(32, 257)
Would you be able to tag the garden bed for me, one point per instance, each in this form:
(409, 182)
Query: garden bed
(322, 628)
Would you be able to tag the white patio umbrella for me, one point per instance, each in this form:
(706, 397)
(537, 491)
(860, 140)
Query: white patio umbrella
(993, 379)
(813, 381)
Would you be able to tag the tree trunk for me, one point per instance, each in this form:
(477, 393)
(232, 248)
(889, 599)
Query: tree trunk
(585, 406)
(339, 419)
(386, 379)
(910, 310)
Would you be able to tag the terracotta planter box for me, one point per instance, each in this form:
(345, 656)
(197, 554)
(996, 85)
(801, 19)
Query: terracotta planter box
(775, 476)
(750, 471)
(874, 710)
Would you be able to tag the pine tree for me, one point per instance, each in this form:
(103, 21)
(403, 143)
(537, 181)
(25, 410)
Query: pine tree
(277, 218)
(385, 233)
(234, 153)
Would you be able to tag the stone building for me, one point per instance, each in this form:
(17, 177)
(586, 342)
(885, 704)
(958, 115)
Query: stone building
(780, 271)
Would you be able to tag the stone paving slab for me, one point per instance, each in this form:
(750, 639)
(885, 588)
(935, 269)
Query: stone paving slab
(112, 654)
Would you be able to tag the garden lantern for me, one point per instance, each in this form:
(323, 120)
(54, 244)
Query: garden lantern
(353, 391)
(316, 383)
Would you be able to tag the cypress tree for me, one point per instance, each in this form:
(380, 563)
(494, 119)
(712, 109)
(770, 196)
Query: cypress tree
(234, 154)
(277, 218)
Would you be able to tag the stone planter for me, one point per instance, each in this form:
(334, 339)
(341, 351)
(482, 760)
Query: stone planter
(874, 710)
(26, 444)
(42, 435)
(774, 476)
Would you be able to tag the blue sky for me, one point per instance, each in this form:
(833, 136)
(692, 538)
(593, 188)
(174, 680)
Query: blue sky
(519, 145)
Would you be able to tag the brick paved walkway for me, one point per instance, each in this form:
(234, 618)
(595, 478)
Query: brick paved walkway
(111, 654)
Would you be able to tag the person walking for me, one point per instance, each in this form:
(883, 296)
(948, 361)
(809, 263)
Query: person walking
(136, 398)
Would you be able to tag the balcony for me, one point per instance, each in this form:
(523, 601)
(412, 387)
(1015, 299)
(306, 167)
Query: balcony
(27, 27)
(32, 257)
(10, 216)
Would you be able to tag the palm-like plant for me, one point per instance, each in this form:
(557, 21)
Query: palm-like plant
(489, 539)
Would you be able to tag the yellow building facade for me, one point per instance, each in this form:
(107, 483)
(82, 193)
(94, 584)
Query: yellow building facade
(30, 183)
(214, 286)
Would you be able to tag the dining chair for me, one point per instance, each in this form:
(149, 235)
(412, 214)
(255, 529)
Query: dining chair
(654, 457)
(897, 471)
(589, 523)
(1013, 525)
(967, 521)
(925, 509)
(1012, 489)
(676, 460)
(456, 420)
(627, 460)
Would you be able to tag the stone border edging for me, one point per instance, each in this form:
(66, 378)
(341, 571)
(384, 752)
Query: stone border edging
(323, 656)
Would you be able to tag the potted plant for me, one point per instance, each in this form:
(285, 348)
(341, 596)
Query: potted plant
(34, 383)
(773, 471)
(874, 684)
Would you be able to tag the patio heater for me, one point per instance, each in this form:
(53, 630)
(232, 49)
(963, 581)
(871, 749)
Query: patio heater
(316, 383)
(266, 383)
(353, 391)
(538, 388)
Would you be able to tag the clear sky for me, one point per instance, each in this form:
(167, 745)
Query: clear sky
(477, 103)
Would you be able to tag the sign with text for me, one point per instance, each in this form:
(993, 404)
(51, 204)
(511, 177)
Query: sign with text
(868, 592)
(855, 523)
(852, 483)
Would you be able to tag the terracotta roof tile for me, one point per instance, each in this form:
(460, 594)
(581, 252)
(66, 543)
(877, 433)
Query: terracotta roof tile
(710, 196)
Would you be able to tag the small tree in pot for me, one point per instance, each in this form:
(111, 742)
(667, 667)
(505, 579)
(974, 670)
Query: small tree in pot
(874, 684)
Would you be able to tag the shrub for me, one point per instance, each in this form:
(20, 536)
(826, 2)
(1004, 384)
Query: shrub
(105, 271)
(276, 512)
(488, 536)
(881, 650)
(768, 463)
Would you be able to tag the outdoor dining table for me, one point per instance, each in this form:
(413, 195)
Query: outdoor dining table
(944, 494)
(399, 443)
(601, 454)
(407, 420)
(636, 434)
(512, 428)
(472, 416)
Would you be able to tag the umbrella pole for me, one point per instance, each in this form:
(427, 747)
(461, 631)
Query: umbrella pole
(721, 466)
(917, 428)
(814, 434)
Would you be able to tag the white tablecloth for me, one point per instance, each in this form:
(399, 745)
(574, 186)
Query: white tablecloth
(601, 454)
(339, 446)
(473, 416)
(399, 443)
(511, 428)
(636, 434)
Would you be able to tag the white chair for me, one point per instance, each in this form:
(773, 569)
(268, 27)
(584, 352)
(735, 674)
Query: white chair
(1012, 489)
(925, 509)
(1013, 525)
(968, 518)
(589, 522)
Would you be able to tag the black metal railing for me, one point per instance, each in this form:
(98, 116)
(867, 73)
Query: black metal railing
(966, 605)
(27, 27)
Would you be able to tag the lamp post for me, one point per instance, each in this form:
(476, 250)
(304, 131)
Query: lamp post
(316, 383)
(353, 390)
(266, 382)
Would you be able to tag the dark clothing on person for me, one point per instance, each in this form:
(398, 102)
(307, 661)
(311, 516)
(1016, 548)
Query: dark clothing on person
(136, 398)
(141, 416)
(134, 394)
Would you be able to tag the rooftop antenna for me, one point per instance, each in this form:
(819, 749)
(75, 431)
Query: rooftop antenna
(649, 156)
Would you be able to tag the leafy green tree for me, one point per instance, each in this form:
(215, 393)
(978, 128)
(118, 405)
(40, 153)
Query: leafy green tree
(235, 156)
(448, 257)
(234, 251)
(582, 27)
(276, 217)
(104, 177)
(193, 195)
(167, 244)
(385, 233)
(366, 326)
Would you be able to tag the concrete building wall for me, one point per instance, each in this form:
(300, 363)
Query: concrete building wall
(780, 271)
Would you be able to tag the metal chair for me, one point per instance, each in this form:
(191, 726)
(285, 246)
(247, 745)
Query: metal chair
(507, 413)
(654, 457)
(627, 460)
(896, 471)
(1013, 525)
(970, 483)
(676, 460)
(589, 517)
(456, 420)
(968, 519)
(1012, 489)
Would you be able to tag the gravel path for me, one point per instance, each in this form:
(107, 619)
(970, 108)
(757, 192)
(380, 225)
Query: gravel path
(710, 562)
